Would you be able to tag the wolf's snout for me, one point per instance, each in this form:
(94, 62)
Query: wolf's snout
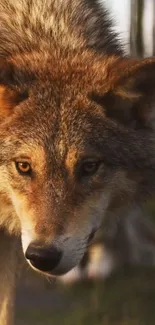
(43, 258)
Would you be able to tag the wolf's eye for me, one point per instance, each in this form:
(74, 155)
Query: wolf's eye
(23, 168)
(89, 168)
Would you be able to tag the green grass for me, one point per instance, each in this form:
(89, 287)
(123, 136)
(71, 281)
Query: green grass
(127, 298)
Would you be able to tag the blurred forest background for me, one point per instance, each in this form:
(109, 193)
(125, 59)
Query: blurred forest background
(135, 22)
(128, 296)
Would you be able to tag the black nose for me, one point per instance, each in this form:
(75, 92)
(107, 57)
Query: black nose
(43, 258)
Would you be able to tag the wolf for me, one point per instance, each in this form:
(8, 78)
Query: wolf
(76, 134)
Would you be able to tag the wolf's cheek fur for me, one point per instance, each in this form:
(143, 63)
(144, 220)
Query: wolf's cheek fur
(8, 216)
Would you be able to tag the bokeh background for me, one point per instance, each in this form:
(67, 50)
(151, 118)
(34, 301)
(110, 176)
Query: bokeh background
(135, 22)
(127, 297)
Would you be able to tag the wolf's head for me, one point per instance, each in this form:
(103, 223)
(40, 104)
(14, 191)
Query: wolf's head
(74, 132)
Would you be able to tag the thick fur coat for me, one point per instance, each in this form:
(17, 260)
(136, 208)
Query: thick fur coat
(76, 134)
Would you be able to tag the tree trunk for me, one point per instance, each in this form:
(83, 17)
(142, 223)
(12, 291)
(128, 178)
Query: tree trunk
(136, 28)
(153, 27)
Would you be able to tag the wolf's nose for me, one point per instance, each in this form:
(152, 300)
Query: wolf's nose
(43, 258)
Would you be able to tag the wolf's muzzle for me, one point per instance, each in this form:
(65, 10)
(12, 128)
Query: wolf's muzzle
(43, 258)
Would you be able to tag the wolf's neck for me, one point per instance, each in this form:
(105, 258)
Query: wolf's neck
(9, 267)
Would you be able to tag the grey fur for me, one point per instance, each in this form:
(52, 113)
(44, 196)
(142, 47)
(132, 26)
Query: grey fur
(28, 25)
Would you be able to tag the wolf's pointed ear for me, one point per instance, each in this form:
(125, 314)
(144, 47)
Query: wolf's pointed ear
(130, 93)
(10, 96)
(9, 99)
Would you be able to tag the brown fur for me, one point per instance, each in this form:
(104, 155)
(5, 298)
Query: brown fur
(68, 97)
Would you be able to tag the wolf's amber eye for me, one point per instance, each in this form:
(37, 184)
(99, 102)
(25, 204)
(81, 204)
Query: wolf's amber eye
(89, 168)
(23, 168)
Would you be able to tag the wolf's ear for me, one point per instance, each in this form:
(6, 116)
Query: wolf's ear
(9, 99)
(10, 95)
(130, 98)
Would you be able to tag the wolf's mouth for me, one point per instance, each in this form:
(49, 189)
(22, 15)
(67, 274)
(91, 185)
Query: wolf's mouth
(56, 259)
(91, 236)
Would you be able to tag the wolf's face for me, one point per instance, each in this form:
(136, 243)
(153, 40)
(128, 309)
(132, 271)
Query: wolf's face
(61, 160)
(56, 177)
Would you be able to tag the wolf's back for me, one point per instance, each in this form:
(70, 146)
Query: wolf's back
(32, 25)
